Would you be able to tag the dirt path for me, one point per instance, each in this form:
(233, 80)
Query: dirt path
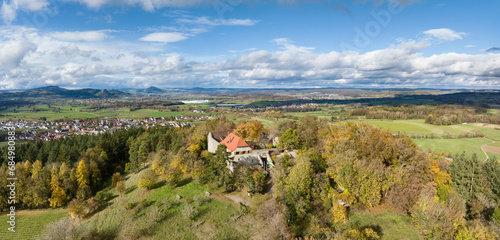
(485, 146)
(234, 198)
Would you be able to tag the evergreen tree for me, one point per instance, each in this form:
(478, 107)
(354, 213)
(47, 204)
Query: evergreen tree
(491, 170)
(466, 176)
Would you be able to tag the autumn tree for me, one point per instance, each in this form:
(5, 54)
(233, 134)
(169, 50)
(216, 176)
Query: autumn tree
(117, 177)
(39, 191)
(58, 198)
(82, 178)
(339, 213)
(147, 179)
(249, 131)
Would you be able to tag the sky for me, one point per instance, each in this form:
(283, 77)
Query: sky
(250, 44)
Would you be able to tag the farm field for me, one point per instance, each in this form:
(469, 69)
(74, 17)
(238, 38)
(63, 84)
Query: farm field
(456, 146)
(30, 223)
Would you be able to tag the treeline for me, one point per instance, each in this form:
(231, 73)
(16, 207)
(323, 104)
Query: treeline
(433, 114)
(135, 105)
(288, 109)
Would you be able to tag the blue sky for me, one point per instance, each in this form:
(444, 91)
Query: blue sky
(249, 44)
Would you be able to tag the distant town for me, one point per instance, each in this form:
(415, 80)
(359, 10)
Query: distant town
(54, 130)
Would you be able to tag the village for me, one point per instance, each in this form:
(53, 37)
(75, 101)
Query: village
(54, 130)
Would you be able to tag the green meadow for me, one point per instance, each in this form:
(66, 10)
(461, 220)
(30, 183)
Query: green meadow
(30, 223)
(388, 225)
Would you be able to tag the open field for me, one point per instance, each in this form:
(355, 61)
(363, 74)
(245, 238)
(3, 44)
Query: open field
(30, 223)
(456, 146)
(388, 225)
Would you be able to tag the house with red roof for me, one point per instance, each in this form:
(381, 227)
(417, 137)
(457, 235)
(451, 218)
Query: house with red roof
(241, 152)
(236, 145)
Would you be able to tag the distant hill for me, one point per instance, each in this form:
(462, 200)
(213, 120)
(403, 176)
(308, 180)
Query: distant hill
(149, 90)
(153, 89)
(58, 92)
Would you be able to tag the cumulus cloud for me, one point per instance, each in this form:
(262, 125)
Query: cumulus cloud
(10, 8)
(81, 36)
(164, 37)
(445, 34)
(12, 52)
(27, 54)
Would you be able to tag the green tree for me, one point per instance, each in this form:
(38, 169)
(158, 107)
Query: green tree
(466, 176)
(298, 191)
(289, 140)
(491, 169)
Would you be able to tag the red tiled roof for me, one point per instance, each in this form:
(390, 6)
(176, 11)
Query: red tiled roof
(232, 142)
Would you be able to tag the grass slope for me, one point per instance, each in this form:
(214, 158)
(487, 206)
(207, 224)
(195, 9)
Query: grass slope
(213, 220)
(388, 225)
(30, 223)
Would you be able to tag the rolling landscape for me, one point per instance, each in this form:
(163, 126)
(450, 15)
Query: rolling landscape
(262, 120)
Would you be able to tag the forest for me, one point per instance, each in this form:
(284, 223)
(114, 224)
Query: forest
(338, 169)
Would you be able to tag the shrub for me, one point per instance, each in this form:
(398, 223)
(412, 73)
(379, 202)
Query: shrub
(190, 211)
(147, 179)
(103, 195)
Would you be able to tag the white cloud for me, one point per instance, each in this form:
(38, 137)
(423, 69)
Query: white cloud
(164, 37)
(148, 5)
(288, 46)
(216, 22)
(10, 8)
(12, 52)
(27, 54)
(243, 50)
(445, 34)
(81, 36)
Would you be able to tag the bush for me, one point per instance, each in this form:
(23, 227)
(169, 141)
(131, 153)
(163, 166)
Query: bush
(69, 229)
(103, 195)
(190, 211)
(147, 179)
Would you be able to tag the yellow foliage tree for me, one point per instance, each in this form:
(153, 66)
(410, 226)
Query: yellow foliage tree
(339, 213)
(249, 131)
(439, 177)
(82, 174)
(58, 198)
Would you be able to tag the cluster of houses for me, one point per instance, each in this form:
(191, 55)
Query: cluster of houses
(48, 130)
